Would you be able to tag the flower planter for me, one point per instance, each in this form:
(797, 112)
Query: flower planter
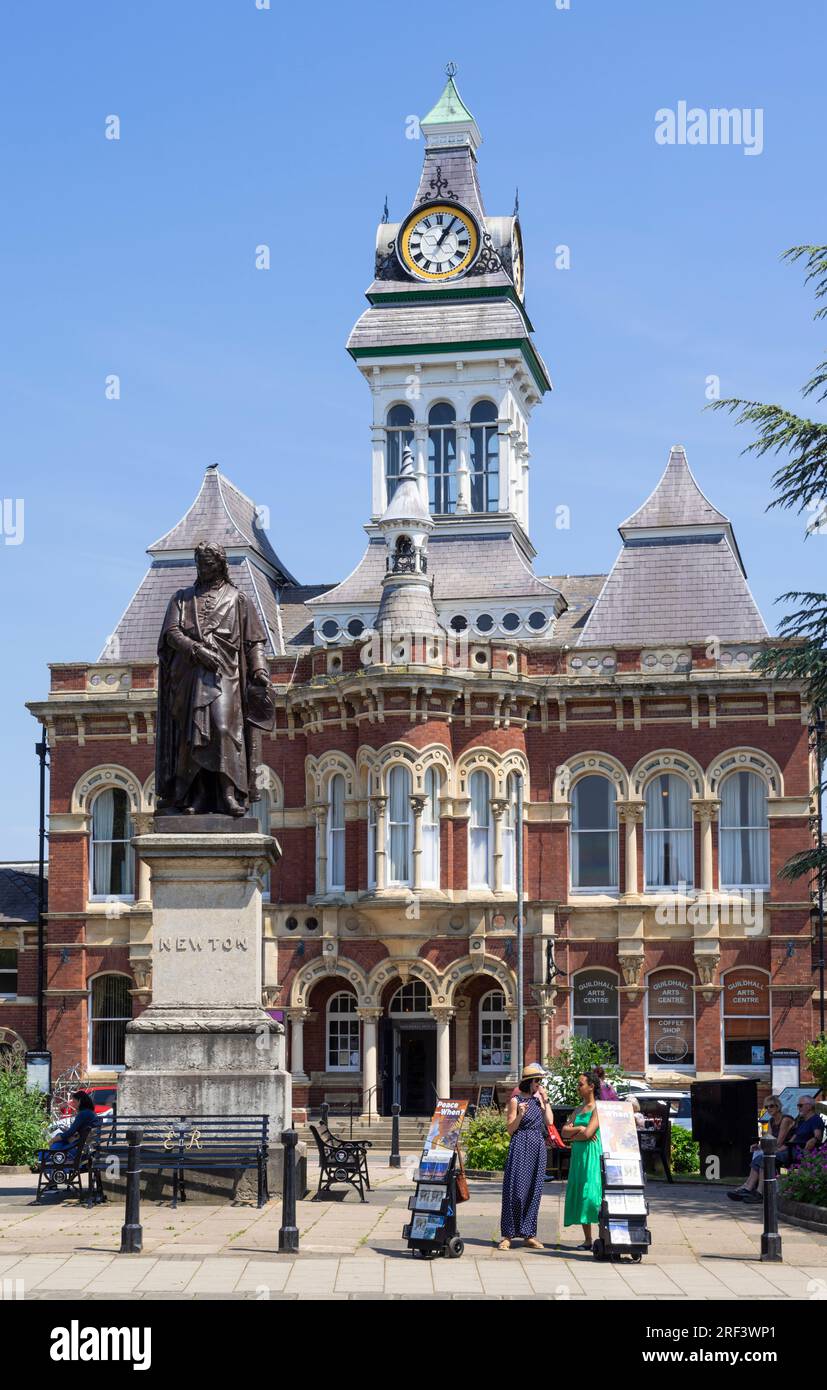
(805, 1214)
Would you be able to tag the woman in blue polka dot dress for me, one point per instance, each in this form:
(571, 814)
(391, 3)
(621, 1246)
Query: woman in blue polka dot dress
(529, 1115)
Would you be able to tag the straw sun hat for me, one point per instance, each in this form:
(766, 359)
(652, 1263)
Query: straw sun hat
(533, 1072)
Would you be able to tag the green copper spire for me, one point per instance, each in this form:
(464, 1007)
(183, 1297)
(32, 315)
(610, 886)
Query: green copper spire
(450, 109)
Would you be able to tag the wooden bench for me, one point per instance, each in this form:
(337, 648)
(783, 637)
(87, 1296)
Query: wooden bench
(183, 1144)
(341, 1161)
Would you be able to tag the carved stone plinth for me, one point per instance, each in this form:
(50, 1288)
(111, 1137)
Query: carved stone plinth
(205, 1045)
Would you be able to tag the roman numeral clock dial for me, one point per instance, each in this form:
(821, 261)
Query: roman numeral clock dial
(438, 241)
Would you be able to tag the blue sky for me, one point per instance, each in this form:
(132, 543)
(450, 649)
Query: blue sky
(242, 126)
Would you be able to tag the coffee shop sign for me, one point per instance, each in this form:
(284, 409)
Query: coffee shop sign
(202, 943)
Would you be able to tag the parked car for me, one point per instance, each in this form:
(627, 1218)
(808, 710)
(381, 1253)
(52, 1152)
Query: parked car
(630, 1086)
(104, 1094)
(680, 1106)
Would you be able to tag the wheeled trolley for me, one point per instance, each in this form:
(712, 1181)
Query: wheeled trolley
(622, 1228)
(432, 1229)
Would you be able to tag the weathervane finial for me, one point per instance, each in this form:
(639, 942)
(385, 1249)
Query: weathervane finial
(385, 211)
(451, 69)
(516, 202)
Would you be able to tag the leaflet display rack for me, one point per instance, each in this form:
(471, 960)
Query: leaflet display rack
(622, 1228)
(432, 1229)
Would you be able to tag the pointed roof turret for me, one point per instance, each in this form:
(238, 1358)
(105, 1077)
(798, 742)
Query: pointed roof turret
(407, 504)
(450, 121)
(679, 576)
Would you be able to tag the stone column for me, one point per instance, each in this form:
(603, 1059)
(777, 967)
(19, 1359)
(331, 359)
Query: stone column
(463, 467)
(298, 1017)
(443, 1051)
(369, 1019)
(379, 448)
(497, 811)
(381, 804)
(462, 1035)
(504, 448)
(417, 806)
(143, 822)
(705, 812)
(321, 849)
(630, 814)
(421, 454)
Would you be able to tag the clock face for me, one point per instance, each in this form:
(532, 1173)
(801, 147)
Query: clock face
(438, 241)
(517, 263)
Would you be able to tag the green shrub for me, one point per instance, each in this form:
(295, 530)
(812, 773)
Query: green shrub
(23, 1120)
(816, 1055)
(485, 1140)
(578, 1055)
(686, 1152)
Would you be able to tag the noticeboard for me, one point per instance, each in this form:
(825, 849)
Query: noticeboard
(785, 1071)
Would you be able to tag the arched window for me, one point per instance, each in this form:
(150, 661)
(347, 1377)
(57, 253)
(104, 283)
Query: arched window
(430, 829)
(399, 432)
(412, 998)
(668, 832)
(343, 1033)
(480, 839)
(113, 862)
(399, 825)
(110, 1009)
(261, 810)
(442, 458)
(495, 1033)
(594, 835)
(595, 1007)
(509, 833)
(372, 824)
(336, 833)
(485, 458)
(671, 1009)
(744, 832)
(746, 1017)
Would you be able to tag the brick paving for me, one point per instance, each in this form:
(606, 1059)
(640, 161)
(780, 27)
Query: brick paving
(704, 1247)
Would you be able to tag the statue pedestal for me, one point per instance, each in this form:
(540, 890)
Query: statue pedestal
(205, 1045)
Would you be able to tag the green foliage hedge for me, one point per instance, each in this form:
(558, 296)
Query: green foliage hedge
(23, 1119)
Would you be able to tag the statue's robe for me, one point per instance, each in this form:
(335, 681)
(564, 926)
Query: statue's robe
(202, 714)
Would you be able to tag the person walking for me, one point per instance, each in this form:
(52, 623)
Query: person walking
(528, 1117)
(584, 1189)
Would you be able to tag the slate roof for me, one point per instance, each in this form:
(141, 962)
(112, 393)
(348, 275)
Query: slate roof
(223, 514)
(581, 592)
(679, 576)
(18, 893)
(462, 567)
(462, 321)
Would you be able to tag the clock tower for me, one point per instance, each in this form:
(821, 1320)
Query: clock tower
(446, 343)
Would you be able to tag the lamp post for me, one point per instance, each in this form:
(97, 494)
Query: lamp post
(817, 726)
(42, 751)
(520, 929)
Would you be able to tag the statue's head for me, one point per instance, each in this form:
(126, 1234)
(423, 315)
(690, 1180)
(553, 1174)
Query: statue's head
(211, 563)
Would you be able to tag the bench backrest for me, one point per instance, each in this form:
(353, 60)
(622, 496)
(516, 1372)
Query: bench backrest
(188, 1133)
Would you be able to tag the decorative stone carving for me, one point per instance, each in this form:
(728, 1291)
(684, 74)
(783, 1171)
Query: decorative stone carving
(632, 967)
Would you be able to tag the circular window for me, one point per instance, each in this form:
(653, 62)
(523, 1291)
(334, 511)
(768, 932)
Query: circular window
(480, 658)
(459, 622)
(609, 662)
(292, 923)
(311, 923)
(336, 663)
(485, 622)
(330, 629)
(511, 622)
(537, 620)
(356, 627)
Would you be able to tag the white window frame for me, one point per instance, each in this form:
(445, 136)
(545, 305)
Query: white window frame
(353, 1019)
(723, 830)
(92, 1066)
(333, 830)
(489, 828)
(431, 828)
(4, 970)
(413, 1013)
(502, 1017)
(573, 834)
(372, 826)
(508, 831)
(684, 1069)
(395, 770)
(109, 897)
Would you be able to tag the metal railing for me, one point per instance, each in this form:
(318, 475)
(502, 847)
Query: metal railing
(369, 1094)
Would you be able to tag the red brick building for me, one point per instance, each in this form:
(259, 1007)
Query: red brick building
(665, 782)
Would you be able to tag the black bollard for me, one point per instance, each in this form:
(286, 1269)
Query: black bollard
(325, 1112)
(289, 1231)
(770, 1236)
(132, 1232)
(395, 1160)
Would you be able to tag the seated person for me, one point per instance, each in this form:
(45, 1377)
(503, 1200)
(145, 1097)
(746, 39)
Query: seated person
(794, 1138)
(69, 1138)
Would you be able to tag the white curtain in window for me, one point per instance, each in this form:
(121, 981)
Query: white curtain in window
(509, 835)
(430, 830)
(479, 833)
(103, 824)
(745, 836)
(399, 825)
(371, 844)
(668, 838)
(336, 832)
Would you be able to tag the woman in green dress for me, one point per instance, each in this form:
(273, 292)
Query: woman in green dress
(584, 1189)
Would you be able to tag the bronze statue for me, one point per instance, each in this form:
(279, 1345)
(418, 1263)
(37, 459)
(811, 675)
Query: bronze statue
(214, 695)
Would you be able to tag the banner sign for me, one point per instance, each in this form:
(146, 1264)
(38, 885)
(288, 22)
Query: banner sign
(443, 1137)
